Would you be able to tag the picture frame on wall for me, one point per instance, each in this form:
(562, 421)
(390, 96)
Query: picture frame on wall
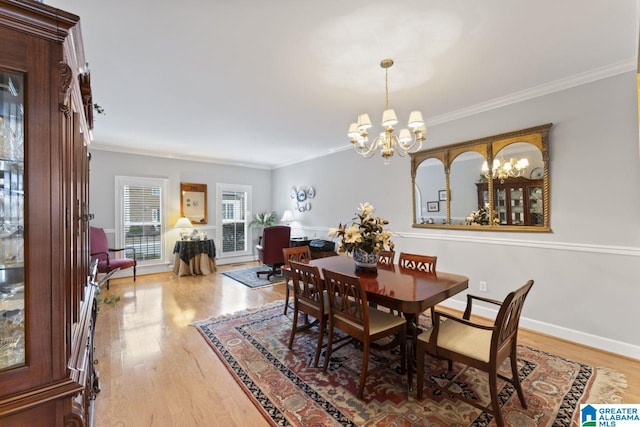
(193, 202)
(433, 206)
(442, 195)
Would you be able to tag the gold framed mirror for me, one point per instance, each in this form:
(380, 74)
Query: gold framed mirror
(193, 202)
(495, 183)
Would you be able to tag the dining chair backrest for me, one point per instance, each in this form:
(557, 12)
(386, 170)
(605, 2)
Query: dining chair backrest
(296, 253)
(348, 306)
(386, 257)
(307, 284)
(506, 325)
(423, 263)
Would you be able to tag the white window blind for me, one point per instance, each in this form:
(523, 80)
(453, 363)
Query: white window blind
(233, 228)
(141, 216)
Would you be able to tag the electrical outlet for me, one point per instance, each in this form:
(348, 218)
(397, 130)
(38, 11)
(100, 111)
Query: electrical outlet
(482, 287)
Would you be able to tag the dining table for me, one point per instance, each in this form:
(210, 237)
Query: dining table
(404, 290)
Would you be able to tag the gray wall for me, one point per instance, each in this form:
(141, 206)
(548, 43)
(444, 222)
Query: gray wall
(586, 272)
(105, 165)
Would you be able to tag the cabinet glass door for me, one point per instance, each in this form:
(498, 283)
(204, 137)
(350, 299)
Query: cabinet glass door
(12, 301)
(536, 206)
(517, 206)
(501, 205)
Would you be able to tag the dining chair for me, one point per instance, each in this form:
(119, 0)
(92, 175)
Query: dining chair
(298, 254)
(349, 312)
(386, 258)
(309, 298)
(100, 250)
(424, 263)
(480, 346)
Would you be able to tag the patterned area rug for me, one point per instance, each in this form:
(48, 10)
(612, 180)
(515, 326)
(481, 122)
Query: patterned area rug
(248, 277)
(288, 391)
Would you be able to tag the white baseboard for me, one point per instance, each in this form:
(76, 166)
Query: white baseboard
(601, 343)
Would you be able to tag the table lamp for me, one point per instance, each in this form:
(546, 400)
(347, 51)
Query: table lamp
(183, 224)
(287, 217)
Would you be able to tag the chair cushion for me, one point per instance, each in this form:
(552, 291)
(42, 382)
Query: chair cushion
(121, 263)
(463, 339)
(378, 321)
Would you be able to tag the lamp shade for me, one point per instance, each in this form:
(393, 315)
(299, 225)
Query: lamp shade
(353, 131)
(287, 216)
(183, 222)
(405, 136)
(415, 120)
(364, 122)
(389, 118)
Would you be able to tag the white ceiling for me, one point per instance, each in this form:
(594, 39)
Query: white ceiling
(273, 82)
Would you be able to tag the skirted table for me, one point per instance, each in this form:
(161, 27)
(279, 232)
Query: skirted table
(194, 257)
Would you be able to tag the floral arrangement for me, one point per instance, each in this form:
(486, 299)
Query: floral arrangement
(366, 232)
(481, 217)
(264, 219)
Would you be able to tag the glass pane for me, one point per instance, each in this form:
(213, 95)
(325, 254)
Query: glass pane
(12, 309)
(517, 206)
(501, 205)
(234, 224)
(536, 206)
(142, 221)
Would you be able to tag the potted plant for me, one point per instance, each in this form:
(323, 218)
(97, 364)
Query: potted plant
(264, 219)
(364, 237)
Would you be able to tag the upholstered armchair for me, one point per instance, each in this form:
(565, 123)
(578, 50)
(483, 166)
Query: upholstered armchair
(101, 251)
(274, 239)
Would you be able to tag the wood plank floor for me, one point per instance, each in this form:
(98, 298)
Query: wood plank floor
(156, 370)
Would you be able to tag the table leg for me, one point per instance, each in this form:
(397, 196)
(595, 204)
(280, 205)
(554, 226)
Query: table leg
(412, 334)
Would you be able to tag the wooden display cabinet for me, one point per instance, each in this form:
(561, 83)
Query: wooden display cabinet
(517, 201)
(47, 304)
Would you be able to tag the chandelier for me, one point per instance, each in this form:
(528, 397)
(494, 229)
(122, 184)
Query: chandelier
(502, 170)
(407, 141)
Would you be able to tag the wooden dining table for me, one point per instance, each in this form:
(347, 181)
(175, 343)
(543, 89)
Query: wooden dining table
(407, 291)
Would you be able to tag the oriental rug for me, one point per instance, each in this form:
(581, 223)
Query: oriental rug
(288, 391)
(248, 277)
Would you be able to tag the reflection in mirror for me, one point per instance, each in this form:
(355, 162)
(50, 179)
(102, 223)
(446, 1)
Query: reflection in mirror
(518, 192)
(497, 183)
(465, 173)
(429, 180)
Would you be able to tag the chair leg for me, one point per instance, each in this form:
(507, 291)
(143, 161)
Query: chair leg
(363, 372)
(329, 345)
(134, 273)
(286, 297)
(516, 377)
(316, 359)
(294, 325)
(493, 390)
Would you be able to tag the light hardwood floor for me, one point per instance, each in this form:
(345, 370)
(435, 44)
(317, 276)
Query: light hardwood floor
(156, 370)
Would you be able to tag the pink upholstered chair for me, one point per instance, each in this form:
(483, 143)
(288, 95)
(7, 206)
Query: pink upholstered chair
(274, 239)
(100, 250)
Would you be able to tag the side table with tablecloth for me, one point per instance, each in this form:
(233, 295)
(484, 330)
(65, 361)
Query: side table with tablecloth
(194, 257)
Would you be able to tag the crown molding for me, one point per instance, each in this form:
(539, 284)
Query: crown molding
(537, 91)
(163, 155)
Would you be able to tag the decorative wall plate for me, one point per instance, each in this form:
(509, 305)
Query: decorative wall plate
(293, 192)
(536, 173)
(311, 192)
(302, 195)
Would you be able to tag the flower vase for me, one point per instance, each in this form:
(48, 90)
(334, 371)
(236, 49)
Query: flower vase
(365, 260)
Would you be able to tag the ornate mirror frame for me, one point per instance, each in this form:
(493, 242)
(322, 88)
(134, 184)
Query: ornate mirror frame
(193, 202)
(488, 148)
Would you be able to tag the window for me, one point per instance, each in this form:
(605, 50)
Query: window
(140, 216)
(232, 227)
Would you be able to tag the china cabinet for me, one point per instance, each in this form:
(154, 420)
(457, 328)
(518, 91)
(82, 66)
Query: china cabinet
(47, 304)
(518, 201)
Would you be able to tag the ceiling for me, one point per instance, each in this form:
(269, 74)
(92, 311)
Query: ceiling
(270, 83)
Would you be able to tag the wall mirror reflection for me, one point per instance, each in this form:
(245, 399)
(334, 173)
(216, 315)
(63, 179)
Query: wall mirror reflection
(496, 183)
